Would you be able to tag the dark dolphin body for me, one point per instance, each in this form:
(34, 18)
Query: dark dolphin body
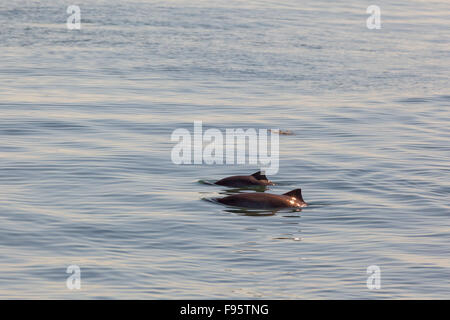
(259, 200)
(256, 179)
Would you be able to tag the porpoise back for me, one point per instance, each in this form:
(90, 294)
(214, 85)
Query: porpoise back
(256, 179)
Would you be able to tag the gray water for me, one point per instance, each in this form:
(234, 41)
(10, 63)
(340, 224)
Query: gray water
(86, 176)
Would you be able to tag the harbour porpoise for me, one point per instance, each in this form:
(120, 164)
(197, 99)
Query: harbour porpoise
(256, 179)
(259, 200)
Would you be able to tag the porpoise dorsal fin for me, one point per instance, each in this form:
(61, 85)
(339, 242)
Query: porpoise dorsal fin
(259, 176)
(297, 193)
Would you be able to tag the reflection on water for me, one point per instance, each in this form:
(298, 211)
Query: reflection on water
(249, 212)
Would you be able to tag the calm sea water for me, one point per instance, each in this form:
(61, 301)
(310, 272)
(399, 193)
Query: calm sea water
(86, 176)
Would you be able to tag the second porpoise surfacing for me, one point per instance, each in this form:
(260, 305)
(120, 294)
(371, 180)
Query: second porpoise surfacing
(256, 179)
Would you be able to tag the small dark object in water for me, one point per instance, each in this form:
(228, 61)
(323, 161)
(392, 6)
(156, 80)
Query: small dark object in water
(282, 132)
